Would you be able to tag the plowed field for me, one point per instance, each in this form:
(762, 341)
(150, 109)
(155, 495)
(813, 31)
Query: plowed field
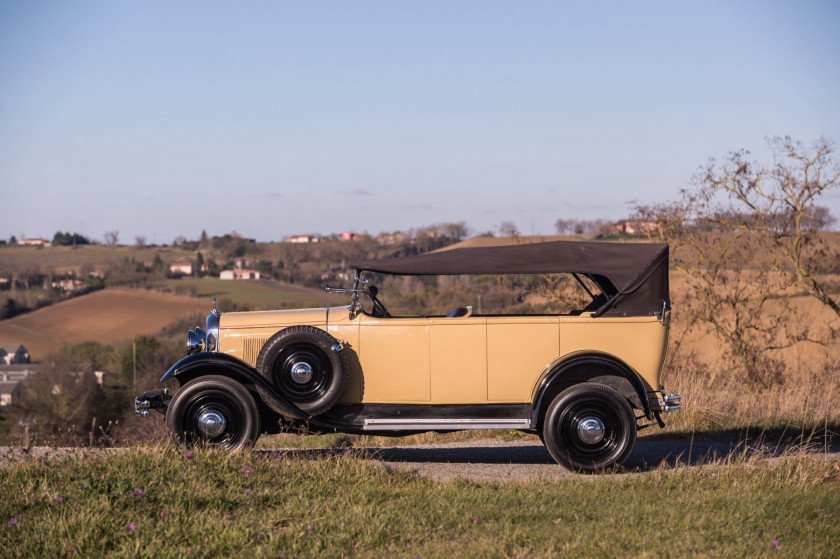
(104, 316)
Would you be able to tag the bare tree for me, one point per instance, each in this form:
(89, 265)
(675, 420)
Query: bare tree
(509, 229)
(776, 202)
(140, 241)
(63, 397)
(111, 238)
(744, 237)
(579, 226)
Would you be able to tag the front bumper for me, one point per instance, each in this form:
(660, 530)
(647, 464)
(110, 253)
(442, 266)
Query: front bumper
(663, 403)
(157, 400)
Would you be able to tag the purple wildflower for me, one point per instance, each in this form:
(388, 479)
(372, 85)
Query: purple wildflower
(59, 499)
(13, 521)
(163, 512)
(41, 470)
(247, 491)
(131, 526)
(85, 486)
(475, 520)
(188, 454)
(775, 543)
(139, 492)
(247, 472)
(309, 527)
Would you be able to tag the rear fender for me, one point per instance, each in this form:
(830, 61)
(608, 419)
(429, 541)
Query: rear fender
(590, 367)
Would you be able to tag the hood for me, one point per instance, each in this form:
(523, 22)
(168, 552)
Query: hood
(259, 319)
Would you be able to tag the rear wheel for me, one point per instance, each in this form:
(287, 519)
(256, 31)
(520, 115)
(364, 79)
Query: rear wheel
(589, 427)
(215, 411)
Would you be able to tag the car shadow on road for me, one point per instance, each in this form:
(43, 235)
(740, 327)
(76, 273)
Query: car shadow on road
(649, 453)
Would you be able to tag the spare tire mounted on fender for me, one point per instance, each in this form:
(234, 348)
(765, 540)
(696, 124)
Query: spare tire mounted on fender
(306, 366)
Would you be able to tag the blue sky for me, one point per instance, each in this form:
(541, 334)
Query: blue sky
(274, 118)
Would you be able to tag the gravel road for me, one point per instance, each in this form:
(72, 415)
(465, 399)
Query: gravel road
(498, 460)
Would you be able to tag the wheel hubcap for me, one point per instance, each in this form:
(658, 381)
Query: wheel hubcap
(591, 430)
(301, 373)
(211, 423)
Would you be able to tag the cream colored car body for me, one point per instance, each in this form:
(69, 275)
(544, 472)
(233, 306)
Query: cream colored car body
(471, 360)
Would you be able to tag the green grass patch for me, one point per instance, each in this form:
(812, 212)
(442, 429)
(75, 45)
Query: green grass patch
(212, 505)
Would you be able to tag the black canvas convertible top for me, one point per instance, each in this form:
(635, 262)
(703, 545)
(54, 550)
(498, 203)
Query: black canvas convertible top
(632, 276)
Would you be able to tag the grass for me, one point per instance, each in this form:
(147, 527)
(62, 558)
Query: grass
(62, 259)
(258, 295)
(209, 505)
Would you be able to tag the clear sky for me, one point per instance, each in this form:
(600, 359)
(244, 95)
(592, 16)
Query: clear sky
(274, 118)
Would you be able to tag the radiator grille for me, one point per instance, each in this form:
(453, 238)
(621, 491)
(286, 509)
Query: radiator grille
(251, 350)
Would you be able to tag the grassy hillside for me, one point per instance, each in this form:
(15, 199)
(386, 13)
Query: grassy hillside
(161, 502)
(259, 295)
(63, 259)
(104, 316)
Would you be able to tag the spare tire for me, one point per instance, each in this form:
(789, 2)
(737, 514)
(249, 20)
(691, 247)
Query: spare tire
(306, 366)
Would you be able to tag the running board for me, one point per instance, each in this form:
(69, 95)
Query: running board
(432, 424)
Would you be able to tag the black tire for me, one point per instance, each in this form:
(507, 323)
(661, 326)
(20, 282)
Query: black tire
(193, 416)
(589, 427)
(306, 366)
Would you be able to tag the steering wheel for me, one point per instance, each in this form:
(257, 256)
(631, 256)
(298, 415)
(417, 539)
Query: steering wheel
(379, 309)
(460, 312)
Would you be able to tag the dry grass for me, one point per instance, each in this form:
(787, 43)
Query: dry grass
(715, 400)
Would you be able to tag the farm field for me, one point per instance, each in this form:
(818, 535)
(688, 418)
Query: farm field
(116, 314)
(64, 259)
(259, 295)
(104, 316)
(163, 502)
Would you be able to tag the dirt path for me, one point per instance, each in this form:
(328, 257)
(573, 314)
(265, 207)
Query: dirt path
(496, 460)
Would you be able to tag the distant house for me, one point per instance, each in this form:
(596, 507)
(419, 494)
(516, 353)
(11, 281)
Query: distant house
(14, 373)
(349, 236)
(239, 275)
(9, 392)
(68, 284)
(302, 239)
(39, 242)
(13, 354)
(394, 238)
(634, 227)
(182, 268)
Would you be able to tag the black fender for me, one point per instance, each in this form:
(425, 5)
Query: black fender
(615, 366)
(213, 363)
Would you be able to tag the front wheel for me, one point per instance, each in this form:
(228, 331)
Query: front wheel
(216, 411)
(589, 427)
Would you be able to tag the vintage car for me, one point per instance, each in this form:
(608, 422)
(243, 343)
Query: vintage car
(578, 380)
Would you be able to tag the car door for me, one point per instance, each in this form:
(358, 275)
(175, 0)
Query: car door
(458, 360)
(518, 349)
(394, 358)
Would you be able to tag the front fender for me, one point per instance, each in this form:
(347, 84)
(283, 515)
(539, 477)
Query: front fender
(208, 363)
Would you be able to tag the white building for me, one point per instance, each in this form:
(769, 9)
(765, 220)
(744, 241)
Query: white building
(39, 242)
(239, 275)
(183, 268)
